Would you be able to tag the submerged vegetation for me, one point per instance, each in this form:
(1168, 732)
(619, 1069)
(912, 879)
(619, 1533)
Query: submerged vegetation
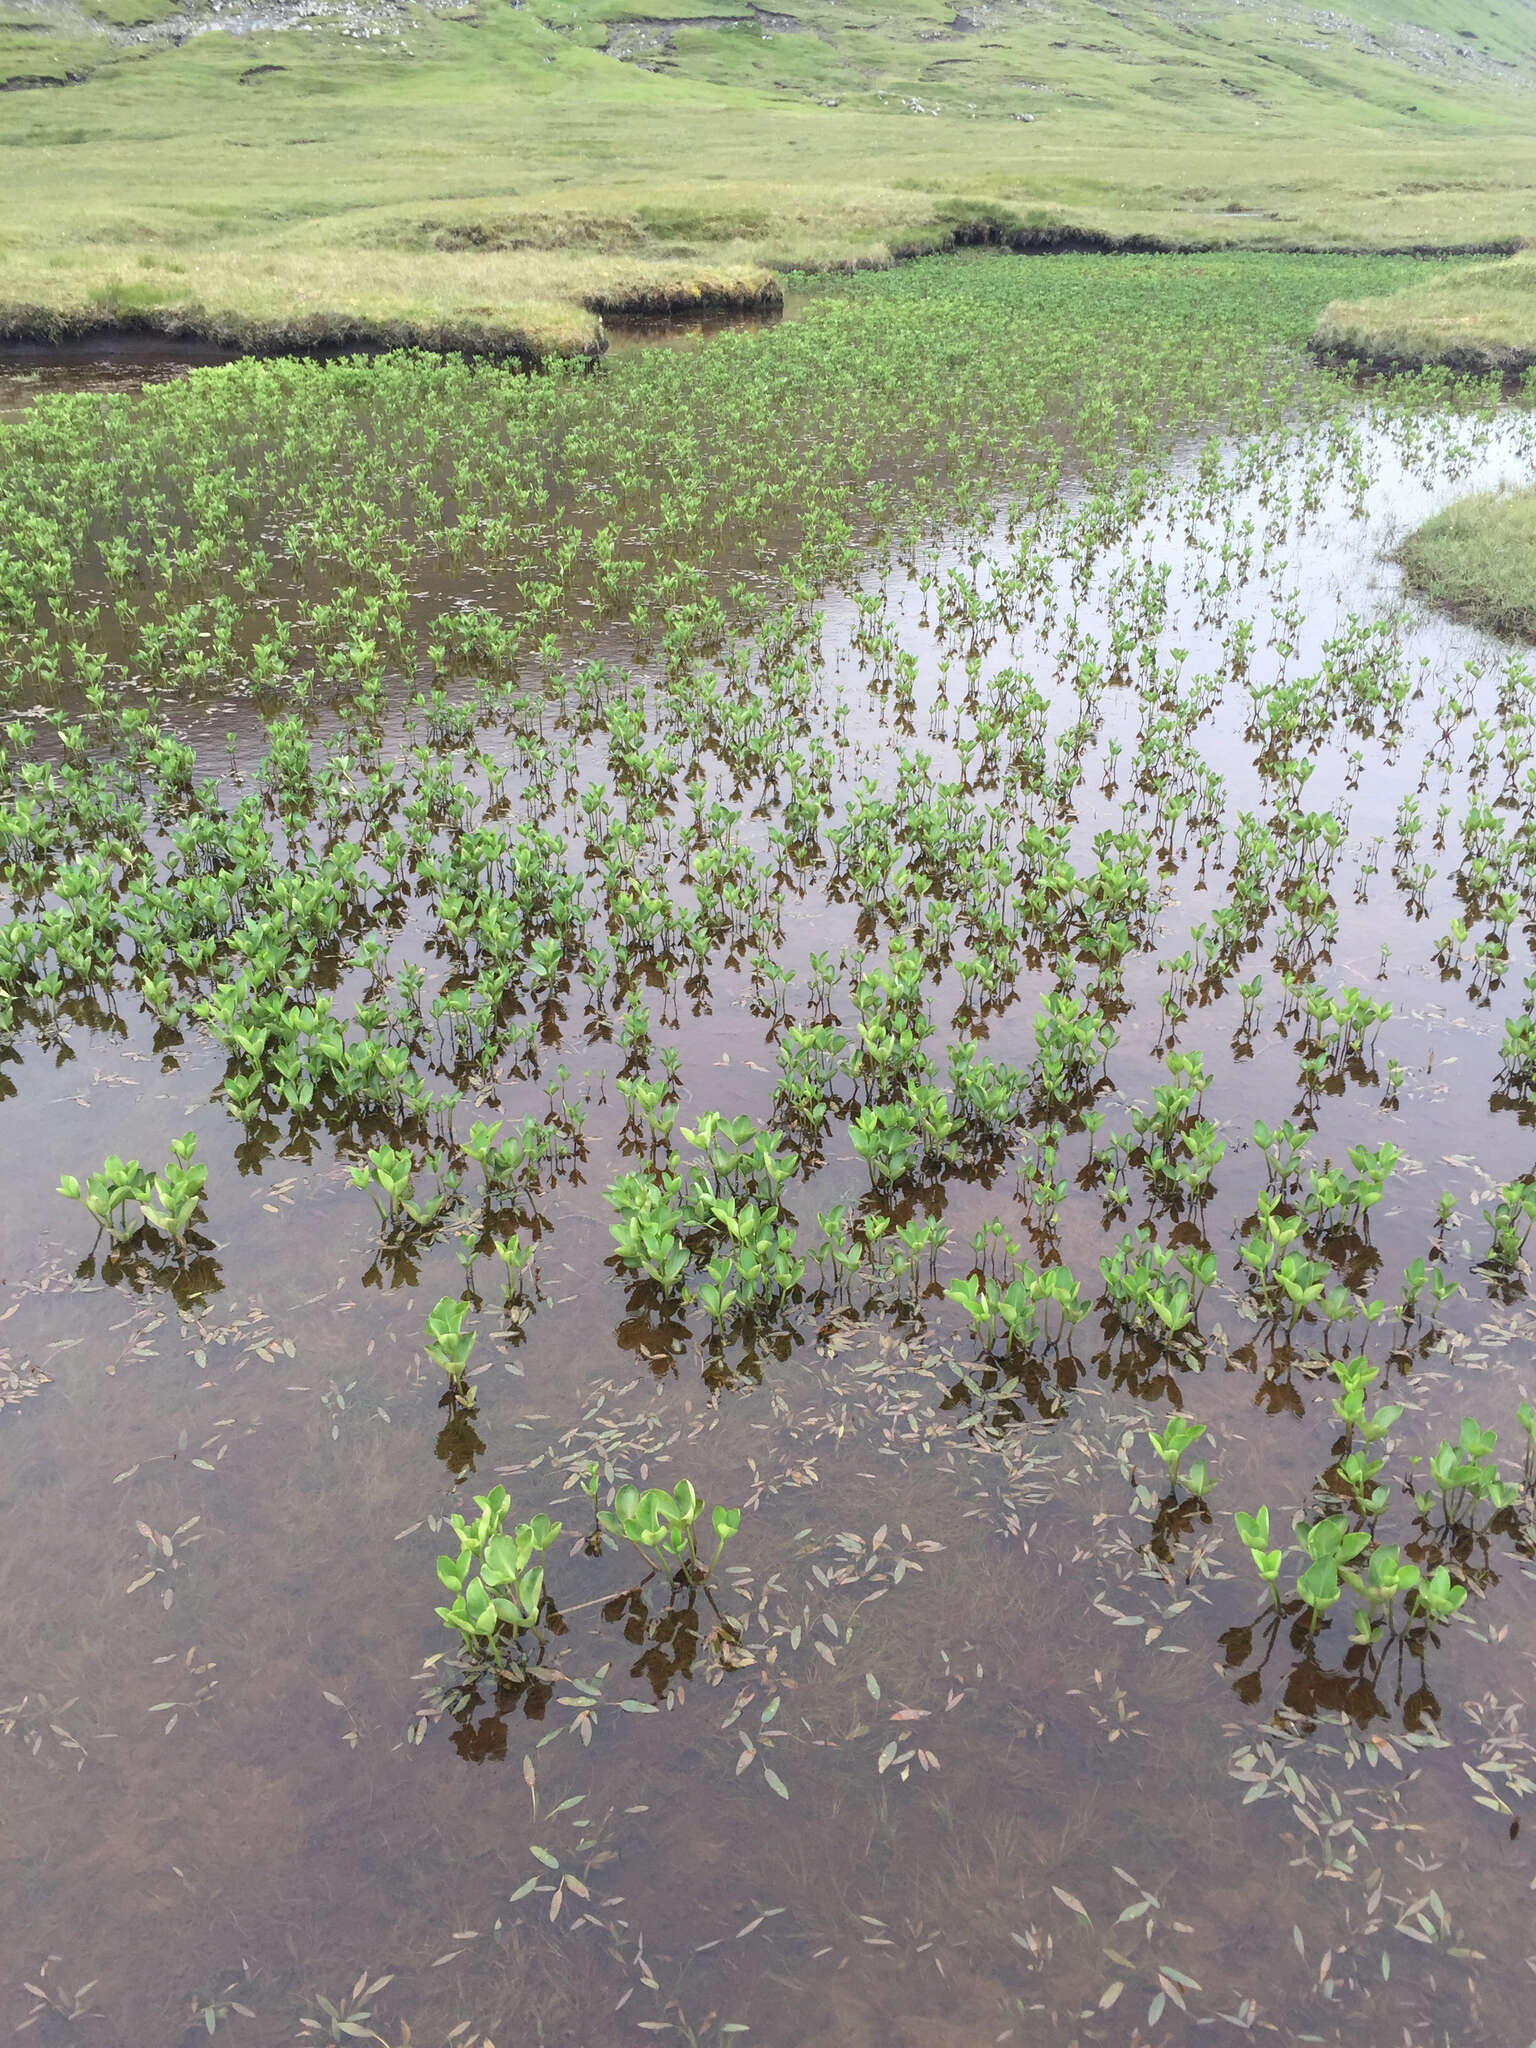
(1477, 558)
(889, 923)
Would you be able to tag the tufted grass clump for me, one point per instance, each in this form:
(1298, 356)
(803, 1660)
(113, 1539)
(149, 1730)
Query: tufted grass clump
(1476, 319)
(1477, 559)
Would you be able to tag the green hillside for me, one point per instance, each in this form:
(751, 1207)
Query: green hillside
(496, 172)
(1142, 61)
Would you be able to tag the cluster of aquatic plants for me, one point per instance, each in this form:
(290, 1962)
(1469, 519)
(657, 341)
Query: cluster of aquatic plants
(169, 1199)
(497, 1588)
(723, 1218)
(496, 1577)
(1341, 1551)
(381, 927)
(540, 476)
(1019, 1311)
(1154, 1289)
(867, 933)
(662, 1526)
(254, 901)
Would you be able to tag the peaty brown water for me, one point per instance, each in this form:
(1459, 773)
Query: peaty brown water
(1001, 1742)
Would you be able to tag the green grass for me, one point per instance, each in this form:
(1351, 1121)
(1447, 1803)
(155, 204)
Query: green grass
(287, 184)
(1478, 318)
(1477, 559)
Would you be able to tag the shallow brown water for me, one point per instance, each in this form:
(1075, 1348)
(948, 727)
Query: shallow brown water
(29, 372)
(129, 362)
(1031, 1783)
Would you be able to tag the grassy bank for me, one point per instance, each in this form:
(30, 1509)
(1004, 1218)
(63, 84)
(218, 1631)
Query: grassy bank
(1477, 559)
(1480, 318)
(497, 178)
(284, 300)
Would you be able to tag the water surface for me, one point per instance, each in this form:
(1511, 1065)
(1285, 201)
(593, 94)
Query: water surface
(1000, 1744)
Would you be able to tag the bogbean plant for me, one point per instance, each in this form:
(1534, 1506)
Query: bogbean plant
(715, 1235)
(497, 1587)
(662, 1527)
(1510, 1223)
(1340, 1552)
(169, 1200)
(1156, 1290)
(1170, 1443)
(497, 1576)
(1015, 1311)
(449, 1345)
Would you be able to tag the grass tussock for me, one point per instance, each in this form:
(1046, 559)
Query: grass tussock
(490, 285)
(706, 291)
(1480, 319)
(1477, 559)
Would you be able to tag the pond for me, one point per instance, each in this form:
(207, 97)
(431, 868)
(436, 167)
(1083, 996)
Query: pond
(784, 985)
(30, 371)
(129, 362)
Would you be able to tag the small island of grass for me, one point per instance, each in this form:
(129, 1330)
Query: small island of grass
(1478, 319)
(1477, 559)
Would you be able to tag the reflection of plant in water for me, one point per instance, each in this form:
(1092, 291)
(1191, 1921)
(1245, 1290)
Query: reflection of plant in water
(485, 1740)
(459, 1443)
(669, 1641)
